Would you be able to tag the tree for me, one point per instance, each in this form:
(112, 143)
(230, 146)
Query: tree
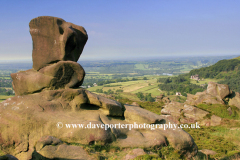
(140, 95)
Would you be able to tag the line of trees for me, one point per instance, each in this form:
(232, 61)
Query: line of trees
(181, 84)
(147, 97)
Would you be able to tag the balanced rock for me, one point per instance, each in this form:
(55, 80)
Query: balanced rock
(55, 40)
(63, 74)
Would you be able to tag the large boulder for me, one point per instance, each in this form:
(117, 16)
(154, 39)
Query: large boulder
(194, 112)
(235, 101)
(53, 148)
(214, 94)
(218, 90)
(203, 97)
(55, 40)
(63, 74)
(183, 113)
(61, 114)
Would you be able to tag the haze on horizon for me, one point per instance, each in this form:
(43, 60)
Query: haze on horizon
(129, 29)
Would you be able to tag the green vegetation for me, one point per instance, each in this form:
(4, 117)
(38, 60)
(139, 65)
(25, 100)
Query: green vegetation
(214, 70)
(147, 97)
(227, 70)
(221, 110)
(179, 84)
(209, 138)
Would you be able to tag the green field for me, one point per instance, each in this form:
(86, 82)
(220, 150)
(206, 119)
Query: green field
(3, 97)
(130, 88)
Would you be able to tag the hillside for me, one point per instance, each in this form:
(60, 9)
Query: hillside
(226, 71)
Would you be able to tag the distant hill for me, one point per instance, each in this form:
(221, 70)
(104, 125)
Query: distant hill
(227, 70)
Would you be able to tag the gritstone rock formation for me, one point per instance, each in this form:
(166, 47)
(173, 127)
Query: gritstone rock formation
(57, 46)
(47, 97)
(55, 40)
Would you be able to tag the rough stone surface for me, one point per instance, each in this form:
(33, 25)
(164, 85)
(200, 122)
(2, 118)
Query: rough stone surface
(173, 108)
(229, 111)
(215, 89)
(63, 74)
(194, 112)
(55, 40)
(133, 113)
(63, 151)
(203, 97)
(38, 114)
(214, 94)
(215, 120)
(183, 113)
(235, 101)
(208, 152)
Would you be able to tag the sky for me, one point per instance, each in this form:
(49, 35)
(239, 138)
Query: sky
(128, 29)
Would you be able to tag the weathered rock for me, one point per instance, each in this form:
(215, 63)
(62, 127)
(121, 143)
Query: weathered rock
(213, 95)
(215, 120)
(64, 151)
(137, 114)
(208, 152)
(203, 97)
(38, 114)
(235, 101)
(194, 113)
(179, 112)
(229, 111)
(55, 40)
(47, 140)
(173, 108)
(215, 89)
(63, 74)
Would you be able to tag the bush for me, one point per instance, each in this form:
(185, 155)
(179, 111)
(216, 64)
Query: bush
(99, 91)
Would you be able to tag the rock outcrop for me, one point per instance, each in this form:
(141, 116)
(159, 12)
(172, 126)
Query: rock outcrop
(235, 101)
(218, 90)
(50, 113)
(184, 113)
(187, 112)
(63, 74)
(214, 94)
(55, 40)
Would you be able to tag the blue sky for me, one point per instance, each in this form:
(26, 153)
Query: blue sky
(122, 29)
